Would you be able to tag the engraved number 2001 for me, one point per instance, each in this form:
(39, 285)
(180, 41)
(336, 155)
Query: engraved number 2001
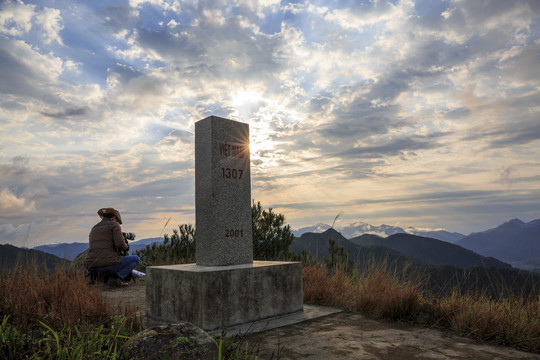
(234, 233)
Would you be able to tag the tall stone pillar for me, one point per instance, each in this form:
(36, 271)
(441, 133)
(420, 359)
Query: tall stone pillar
(222, 192)
(225, 287)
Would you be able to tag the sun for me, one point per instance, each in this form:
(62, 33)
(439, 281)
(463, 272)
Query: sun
(246, 103)
(249, 105)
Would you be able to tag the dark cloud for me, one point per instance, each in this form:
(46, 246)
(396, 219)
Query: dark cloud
(169, 187)
(17, 175)
(391, 148)
(319, 103)
(478, 12)
(184, 136)
(375, 112)
(67, 113)
(122, 74)
(118, 17)
(227, 51)
(16, 76)
(175, 49)
(459, 113)
(521, 134)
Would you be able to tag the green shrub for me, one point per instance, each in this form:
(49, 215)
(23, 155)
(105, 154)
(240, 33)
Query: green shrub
(271, 241)
(271, 237)
(177, 249)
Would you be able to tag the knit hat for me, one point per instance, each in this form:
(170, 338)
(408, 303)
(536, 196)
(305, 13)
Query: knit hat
(111, 211)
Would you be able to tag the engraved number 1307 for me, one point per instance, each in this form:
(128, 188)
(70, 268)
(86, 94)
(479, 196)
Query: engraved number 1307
(231, 173)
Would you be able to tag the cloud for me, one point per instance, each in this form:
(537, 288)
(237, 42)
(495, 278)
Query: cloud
(16, 18)
(27, 73)
(393, 147)
(11, 205)
(65, 113)
(49, 19)
(373, 107)
(11, 234)
(369, 14)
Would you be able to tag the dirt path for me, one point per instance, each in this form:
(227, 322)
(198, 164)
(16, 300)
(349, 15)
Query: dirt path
(347, 336)
(353, 336)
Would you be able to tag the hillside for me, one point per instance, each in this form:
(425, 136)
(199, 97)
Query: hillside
(11, 256)
(444, 267)
(396, 248)
(362, 256)
(70, 251)
(360, 228)
(63, 251)
(451, 237)
(432, 251)
(515, 242)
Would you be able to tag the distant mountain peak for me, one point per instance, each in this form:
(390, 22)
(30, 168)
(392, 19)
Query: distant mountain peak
(512, 224)
(514, 242)
(317, 228)
(359, 228)
(332, 232)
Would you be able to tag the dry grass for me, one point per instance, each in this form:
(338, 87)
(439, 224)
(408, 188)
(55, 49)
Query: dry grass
(380, 293)
(62, 298)
(513, 321)
(375, 292)
(59, 316)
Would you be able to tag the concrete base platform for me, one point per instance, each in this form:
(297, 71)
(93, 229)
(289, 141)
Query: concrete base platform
(219, 297)
(309, 312)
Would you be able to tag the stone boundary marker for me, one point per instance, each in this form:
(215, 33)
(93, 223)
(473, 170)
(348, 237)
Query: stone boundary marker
(225, 287)
(222, 192)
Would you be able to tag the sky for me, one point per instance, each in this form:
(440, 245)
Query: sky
(418, 113)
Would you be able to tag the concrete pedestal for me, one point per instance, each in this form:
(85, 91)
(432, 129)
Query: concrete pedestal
(215, 297)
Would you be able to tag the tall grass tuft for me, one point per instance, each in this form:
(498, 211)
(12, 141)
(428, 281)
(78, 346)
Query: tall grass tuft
(58, 315)
(59, 298)
(377, 291)
(511, 321)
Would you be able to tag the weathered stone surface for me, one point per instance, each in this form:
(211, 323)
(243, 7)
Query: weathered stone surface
(222, 192)
(181, 340)
(214, 297)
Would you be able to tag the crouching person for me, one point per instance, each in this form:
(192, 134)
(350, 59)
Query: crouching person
(104, 259)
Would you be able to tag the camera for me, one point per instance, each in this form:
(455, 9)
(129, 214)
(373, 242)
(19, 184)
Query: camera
(128, 235)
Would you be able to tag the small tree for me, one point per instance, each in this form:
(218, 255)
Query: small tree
(271, 241)
(338, 257)
(271, 238)
(178, 248)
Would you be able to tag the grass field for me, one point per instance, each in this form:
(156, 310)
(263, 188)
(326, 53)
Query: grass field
(60, 316)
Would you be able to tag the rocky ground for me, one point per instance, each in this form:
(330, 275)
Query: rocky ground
(346, 336)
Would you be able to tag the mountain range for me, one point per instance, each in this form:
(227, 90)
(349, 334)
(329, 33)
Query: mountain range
(444, 267)
(70, 251)
(399, 247)
(514, 242)
(12, 256)
(361, 228)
